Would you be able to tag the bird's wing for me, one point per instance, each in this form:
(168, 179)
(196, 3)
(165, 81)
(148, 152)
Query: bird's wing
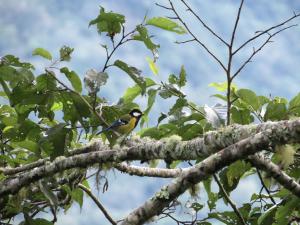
(120, 122)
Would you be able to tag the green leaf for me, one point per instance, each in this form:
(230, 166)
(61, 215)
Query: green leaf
(267, 217)
(284, 212)
(10, 60)
(152, 66)
(166, 24)
(73, 78)
(42, 52)
(182, 77)
(133, 72)
(161, 118)
(294, 105)
(132, 92)
(45, 83)
(77, 195)
(40, 221)
(145, 37)
(275, 111)
(222, 86)
(179, 104)
(65, 53)
(236, 170)
(249, 97)
(241, 116)
(53, 143)
(151, 99)
(109, 22)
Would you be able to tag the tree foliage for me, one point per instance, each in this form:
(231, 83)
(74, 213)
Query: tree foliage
(43, 118)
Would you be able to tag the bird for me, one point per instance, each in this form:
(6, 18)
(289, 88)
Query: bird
(126, 123)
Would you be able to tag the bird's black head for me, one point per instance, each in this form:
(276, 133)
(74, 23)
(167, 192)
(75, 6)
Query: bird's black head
(136, 113)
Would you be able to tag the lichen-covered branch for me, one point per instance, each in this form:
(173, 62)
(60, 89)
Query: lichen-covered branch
(98, 152)
(210, 165)
(149, 172)
(276, 172)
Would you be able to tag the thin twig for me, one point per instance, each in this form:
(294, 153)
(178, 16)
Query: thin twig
(228, 199)
(204, 24)
(264, 186)
(266, 32)
(183, 42)
(97, 202)
(255, 51)
(230, 59)
(194, 36)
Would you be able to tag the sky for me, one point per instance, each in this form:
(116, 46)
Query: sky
(28, 24)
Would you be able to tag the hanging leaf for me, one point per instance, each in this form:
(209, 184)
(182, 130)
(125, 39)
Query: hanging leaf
(145, 37)
(152, 66)
(42, 52)
(133, 72)
(73, 78)
(166, 24)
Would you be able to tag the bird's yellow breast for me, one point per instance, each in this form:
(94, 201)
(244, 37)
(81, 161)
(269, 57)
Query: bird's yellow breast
(125, 129)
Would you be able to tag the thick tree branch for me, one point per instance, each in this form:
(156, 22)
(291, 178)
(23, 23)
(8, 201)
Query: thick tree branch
(210, 143)
(276, 172)
(97, 202)
(207, 167)
(181, 150)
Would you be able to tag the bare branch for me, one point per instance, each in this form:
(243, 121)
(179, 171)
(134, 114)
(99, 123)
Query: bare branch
(229, 200)
(255, 51)
(162, 6)
(183, 42)
(276, 172)
(100, 206)
(236, 23)
(204, 24)
(264, 186)
(266, 32)
(194, 36)
(149, 172)
(208, 144)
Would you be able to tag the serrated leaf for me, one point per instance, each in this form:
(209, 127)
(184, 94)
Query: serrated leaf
(179, 104)
(133, 72)
(249, 97)
(166, 24)
(146, 39)
(241, 116)
(294, 105)
(182, 77)
(152, 66)
(109, 22)
(275, 111)
(42, 52)
(73, 78)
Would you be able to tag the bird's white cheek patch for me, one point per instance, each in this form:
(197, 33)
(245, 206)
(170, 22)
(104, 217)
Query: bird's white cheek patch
(136, 114)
